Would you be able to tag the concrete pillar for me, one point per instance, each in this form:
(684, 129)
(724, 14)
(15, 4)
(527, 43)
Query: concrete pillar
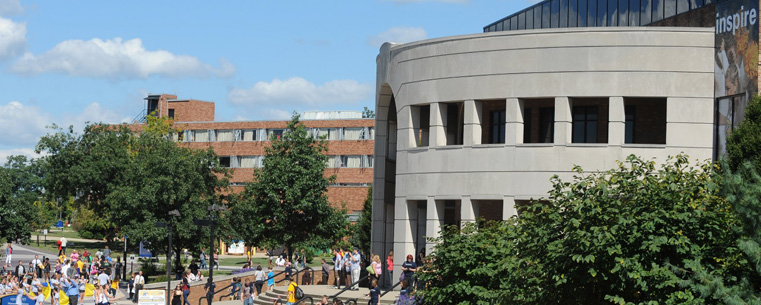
(405, 227)
(434, 221)
(438, 135)
(468, 210)
(616, 121)
(472, 121)
(514, 121)
(508, 208)
(563, 121)
(408, 124)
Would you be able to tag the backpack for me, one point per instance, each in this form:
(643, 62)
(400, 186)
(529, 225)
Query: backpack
(297, 292)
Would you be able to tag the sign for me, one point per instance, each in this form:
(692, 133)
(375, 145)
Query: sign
(10, 299)
(144, 252)
(59, 224)
(131, 258)
(45, 232)
(236, 247)
(152, 297)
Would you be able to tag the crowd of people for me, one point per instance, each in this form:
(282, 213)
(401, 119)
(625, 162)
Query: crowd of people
(71, 277)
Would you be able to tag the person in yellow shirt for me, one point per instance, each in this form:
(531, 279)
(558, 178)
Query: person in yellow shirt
(291, 298)
(114, 286)
(80, 266)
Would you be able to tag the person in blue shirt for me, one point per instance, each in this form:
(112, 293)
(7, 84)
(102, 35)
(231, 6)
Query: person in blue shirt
(72, 289)
(356, 258)
(270, 278)
(374, 294)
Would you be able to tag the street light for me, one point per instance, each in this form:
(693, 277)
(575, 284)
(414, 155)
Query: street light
(173, 214)
(214, 209)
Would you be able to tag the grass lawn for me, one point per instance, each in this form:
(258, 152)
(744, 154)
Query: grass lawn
(55, 234)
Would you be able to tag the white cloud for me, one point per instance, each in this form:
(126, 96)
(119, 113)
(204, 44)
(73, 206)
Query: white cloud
(10, 7)
(415, 1)
(29, 152)
(12, 38)
(398, 35)
(297, 91)
(116, 59)
(22, 124)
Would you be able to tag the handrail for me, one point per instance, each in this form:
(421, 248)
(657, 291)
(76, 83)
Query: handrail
(335, 296)
(392, 288)
(296, 274)
(215, 293)
(311, 300)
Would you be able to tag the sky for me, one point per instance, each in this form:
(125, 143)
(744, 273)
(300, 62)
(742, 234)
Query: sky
(72, 62)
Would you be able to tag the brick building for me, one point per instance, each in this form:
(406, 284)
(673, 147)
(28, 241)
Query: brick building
(241, 145)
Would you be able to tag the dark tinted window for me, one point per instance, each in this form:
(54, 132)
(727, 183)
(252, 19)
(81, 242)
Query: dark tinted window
(623, 12)
(602, 12)
(682, 6)
(546, 15)
(612, 12)
(584, 124)
(669, 8)
(645, 9)
(563, 13)
(555, 14)
(583, 13)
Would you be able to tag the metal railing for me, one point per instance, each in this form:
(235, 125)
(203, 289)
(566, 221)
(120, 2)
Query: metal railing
(348, 287)
(303, 300)
(391, 289)
(296, 274)
(228, 286)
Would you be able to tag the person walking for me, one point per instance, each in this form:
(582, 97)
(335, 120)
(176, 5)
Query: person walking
(131, 286)
(63, 248)
(270, 279)
(248, 295)
(185, 288)
(8, 254)
(390, 269)
(376, 264)
(337, 263)
(139, 282)
(259, 278)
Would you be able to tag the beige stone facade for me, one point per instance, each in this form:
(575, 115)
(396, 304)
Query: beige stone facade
(472, 126)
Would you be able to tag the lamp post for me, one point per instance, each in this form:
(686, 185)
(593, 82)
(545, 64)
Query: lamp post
(173, 214)
(214, 209)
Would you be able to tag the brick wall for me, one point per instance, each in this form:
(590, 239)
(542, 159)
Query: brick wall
(192, 111)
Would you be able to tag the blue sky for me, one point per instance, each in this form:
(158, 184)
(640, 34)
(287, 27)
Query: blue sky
(69, 62)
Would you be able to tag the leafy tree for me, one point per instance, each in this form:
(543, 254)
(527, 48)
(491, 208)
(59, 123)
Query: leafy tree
(287, 203)
(744, 143)
(361, 230)
(20, 189)
(368, 113)
(625, 236)
(127, 181)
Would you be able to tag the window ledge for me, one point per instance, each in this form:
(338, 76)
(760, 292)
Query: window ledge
(534, 145)
(497, 145)
(587, 145)
(445, 147)
(644, 146)
(417, 149)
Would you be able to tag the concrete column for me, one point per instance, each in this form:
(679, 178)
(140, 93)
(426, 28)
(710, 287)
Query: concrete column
(408, 124)
(438, 136)
(472, 121)
(468, 210)
(405, 227)
(434, 221)
(616, 121)
(508, 208)
(563, 121)
(514, 121)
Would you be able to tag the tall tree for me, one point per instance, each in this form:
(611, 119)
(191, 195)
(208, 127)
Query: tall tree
(744, 143)
(20, 188)
(287, 203)
(130, 180)
(360, 236)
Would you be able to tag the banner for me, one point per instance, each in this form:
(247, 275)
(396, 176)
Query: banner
(10, 299)
(151, 297)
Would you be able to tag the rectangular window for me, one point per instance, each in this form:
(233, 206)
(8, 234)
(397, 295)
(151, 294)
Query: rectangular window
(590, 120)
(453, 123)
(249, 161)
(583, 13)
(591, 13)
(200, 136)
(334, 162)
(682, 6)
(546, 15)
(539, 121)
(538, 17)
(249, 134)
(634, 12)
(493, 122)
(530, 18)
(522, 21)
(499, 26)
(555, 14)
(657, 10)
(623, 12)
(612, 12)
(645, 120)
(352, 161)
(224, 161)
(645, 12)
(669, 8)
(171, 113)
(225, 136)
(602, 13)
(274, 133)
(573, 13)
(421, 124)
(353, 133)
(563, 14)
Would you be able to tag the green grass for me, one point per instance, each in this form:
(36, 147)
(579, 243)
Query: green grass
(55, 234)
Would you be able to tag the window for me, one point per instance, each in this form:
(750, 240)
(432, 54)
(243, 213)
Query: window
(249, 135)
(353, 133)
(590, 120)
(728, 114)
(367, 161)
(453, 123)
(421, 124)
(539, 121)
(249, 161)
(224, 161)
(334, 162)
(493, 122)
(225, 136)
(274, 133)
(645, 120)
(171, 113)
(352, 161)
(199, 136)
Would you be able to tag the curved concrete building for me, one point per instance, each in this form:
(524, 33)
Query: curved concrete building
(474, 126)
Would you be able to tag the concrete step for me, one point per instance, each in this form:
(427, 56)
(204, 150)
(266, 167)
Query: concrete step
(317, 291)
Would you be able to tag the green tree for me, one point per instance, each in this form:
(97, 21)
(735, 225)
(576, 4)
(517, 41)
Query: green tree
(126, 181)
(360, 236)
(287, 203)
(19, 189)
(624, 236)
(368, 113)
(744, 143)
